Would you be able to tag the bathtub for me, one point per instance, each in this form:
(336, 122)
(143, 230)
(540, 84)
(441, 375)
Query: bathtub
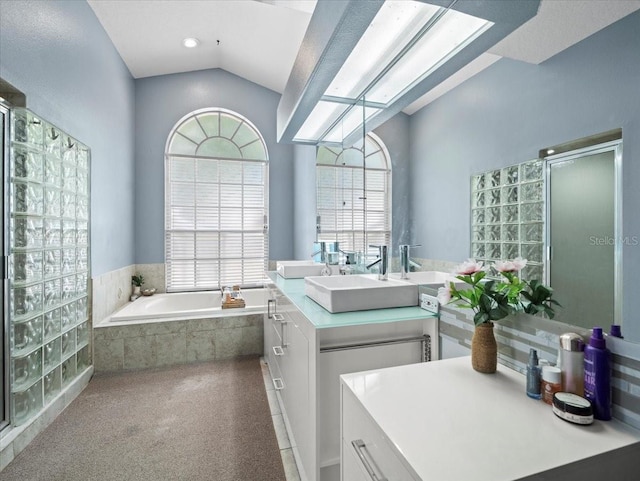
(187, 305)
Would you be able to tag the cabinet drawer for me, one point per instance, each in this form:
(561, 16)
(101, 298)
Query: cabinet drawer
(362, 438)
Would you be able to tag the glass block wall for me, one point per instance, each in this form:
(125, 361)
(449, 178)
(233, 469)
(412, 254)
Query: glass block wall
(49, 268)
(507, 216)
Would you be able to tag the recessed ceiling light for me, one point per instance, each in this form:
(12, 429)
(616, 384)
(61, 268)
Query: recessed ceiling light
(191, 42)
(550, 151)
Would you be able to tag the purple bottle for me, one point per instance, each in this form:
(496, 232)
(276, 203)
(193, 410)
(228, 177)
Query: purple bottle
(597, 375)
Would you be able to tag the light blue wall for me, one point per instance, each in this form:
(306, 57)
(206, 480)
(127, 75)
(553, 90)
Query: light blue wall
(160, 102)
(510, 111)
(304, 206)
(58, 54)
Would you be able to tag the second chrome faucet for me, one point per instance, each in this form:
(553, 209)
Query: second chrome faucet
(383, 260)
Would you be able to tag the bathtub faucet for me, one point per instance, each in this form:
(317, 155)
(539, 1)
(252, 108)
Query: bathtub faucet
(405, 260)
(383, 260)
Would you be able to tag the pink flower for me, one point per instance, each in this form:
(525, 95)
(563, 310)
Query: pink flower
(444, 295)
(504, 266)
(468, 267)
(519, 263)
(510, 266)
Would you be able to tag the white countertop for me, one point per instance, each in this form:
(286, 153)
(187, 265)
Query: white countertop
(450, 422)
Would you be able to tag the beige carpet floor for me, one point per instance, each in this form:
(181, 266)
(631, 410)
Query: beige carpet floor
(207, 421)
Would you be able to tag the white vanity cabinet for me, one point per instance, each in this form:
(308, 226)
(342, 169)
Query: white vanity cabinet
(307, 350)
(443, 421)
(366, 452)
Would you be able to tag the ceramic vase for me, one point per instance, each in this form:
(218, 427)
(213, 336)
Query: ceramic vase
(484, 349)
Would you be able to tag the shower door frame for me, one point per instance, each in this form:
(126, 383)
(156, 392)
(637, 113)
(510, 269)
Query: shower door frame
(614, 146)
(4, 243)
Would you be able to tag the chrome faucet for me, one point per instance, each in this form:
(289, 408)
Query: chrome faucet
(383, 260)
(405, 260)
(322, 251)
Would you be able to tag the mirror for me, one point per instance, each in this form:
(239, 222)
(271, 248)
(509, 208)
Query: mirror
(354, 191)
(562, 213)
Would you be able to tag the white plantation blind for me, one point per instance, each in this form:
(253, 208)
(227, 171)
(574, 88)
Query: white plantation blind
(345, 215)
(216, 202)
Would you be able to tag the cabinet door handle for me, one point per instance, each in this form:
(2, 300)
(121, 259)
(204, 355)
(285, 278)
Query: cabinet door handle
(278, 317)
(269, 302)
(278, 351)
(359, 446)
(278, 384)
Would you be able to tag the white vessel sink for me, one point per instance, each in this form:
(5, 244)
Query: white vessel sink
(360, 292)
(300, 269)
(432, 279)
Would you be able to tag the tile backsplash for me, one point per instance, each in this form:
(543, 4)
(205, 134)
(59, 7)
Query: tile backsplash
(515, 336)
(153, 274)
(111, 291)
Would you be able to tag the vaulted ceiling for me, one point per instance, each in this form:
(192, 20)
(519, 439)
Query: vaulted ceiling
(259, 39)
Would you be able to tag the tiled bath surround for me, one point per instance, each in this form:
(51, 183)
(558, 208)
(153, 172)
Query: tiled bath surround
(153, 276)
(154, 344)
(110, 292)
(516, 336)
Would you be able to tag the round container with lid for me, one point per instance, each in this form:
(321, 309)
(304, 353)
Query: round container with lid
(551, 382)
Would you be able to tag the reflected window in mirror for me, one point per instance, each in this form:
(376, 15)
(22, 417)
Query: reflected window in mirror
(353, 190)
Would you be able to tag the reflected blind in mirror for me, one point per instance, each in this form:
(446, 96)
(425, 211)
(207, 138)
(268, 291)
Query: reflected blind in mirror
(354, 204)
(216, 202)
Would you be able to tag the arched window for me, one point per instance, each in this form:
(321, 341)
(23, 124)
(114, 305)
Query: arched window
(216, 202)
(344, 175)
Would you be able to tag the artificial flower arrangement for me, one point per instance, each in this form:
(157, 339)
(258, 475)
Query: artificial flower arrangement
(494, 299)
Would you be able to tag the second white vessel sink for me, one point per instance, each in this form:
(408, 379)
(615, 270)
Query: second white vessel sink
(360, 292)
(300, 269)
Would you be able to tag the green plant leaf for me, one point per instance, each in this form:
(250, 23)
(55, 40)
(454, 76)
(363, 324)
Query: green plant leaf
(480, 317)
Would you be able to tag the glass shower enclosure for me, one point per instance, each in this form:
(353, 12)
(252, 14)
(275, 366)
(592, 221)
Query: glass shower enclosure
(4, 326)
(48, 268)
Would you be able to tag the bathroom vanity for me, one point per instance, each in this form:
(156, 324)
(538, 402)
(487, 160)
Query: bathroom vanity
(307, 348)
(444, 421)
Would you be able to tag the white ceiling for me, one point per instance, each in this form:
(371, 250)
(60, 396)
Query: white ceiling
(259, 39)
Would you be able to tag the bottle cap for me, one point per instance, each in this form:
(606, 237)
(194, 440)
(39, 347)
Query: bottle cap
(572, 342)
(597, 339)
(616, 331)
(551, 374)
(533, 357)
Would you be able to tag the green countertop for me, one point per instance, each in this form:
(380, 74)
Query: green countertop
(322, 319)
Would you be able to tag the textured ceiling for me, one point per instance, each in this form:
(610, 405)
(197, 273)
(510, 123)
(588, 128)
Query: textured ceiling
(259, 39)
